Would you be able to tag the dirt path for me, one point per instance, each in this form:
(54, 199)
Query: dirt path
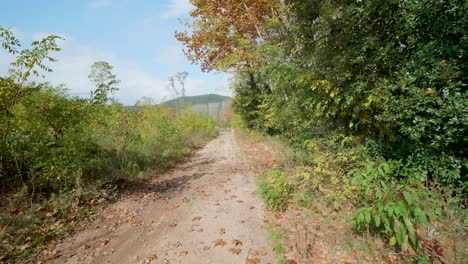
(181, 216)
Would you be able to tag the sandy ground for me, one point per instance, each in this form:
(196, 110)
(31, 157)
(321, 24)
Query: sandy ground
(202, 211)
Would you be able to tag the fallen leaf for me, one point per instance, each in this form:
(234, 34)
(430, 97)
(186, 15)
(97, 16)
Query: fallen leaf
(104, 242)
(152, 257)
(174, 207)
(199, 230)
(239, 201)
(263, 253)
(182, 253)
(252, 261)
(237, 242)
(136, 223)
(172, 225)
(235, 251)
(252, 207)
(196, 218)
(219, 242)
(292, 261)
(51, 255)
(23, 247)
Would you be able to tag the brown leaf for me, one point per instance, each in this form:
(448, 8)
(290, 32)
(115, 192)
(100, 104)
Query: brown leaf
(51, 255)
(23, 247)
(292, 261)
(235, 251)
(252, 261)
(182, 253)
(219, 242)
(172, 225)
(239, 201)
(196, 218)
(199, 230)
(152, 257)
(104, 242)
(252, 207)
(237, 242)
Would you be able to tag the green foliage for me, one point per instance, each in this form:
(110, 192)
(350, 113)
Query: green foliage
(59, 152)
(394, 201)
(106, 82)
(275, 189)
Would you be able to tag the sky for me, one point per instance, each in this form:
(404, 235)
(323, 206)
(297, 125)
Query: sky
(135, 36)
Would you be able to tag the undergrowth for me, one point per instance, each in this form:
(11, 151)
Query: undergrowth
(390, 206)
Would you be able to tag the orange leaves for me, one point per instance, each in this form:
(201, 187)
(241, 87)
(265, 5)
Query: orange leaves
(104, 242)
(224, 32)
(237, 242)
(235, 251)
(219, 242)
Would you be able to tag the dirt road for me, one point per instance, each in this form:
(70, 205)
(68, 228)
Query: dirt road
(202, 211)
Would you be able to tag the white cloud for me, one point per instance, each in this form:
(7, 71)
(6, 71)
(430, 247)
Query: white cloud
(177, 8)
(100, 3)
(75, 60)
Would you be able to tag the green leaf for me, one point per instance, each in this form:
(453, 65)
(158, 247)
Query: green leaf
(401, 234)
(407, 197)
(393, 241)
(377, 220)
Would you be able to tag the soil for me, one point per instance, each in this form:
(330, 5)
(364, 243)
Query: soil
(204, 210)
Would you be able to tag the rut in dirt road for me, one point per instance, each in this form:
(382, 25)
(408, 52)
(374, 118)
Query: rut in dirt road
(210, 213)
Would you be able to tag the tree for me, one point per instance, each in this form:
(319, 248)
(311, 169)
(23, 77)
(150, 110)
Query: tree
(13, 87)
(225, 32)
(179, 92)
(106, 82)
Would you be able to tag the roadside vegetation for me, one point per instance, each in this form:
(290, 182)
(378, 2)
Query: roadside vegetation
(62, 156)
(371, 98)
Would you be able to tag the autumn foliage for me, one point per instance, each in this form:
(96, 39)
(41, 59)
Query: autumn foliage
(224, 33)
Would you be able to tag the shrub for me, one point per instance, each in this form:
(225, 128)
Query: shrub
(275, 189)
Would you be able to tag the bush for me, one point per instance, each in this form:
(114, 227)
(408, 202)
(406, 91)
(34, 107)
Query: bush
(275, 189)
(394, 200)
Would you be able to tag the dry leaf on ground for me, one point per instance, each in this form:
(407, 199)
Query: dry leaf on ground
(221, 231)
(237, 242)
(235, 251)
(219, 242)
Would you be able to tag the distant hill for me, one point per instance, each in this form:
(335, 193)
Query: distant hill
(199, 100)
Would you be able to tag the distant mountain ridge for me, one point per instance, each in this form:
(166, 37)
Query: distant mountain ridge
(198, 100)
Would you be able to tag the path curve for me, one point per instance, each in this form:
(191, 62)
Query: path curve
(181, 216)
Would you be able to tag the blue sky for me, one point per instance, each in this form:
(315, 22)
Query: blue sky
(135, 36)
